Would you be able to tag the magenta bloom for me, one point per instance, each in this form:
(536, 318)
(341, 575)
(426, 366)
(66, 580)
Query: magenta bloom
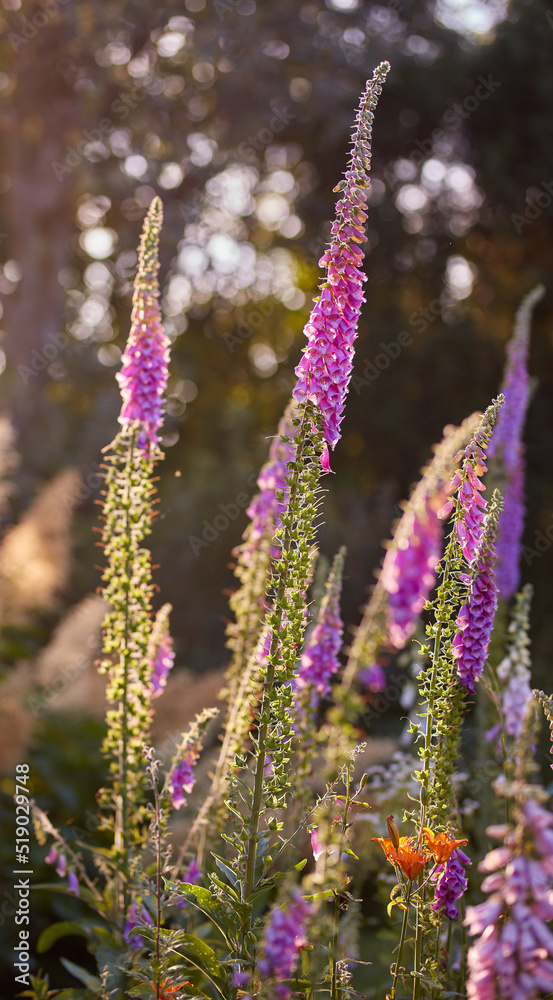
(475, 621)
(512, 958)
(161, 664)
(451, 885)
(73, 883)
(409, 571)
(324, 371)
(320, 659)
(508, 450)
(143, 376)
(373, 677)
(54, 857)
(182, 781)
(284, 938)
(136, 918)
(470, 525)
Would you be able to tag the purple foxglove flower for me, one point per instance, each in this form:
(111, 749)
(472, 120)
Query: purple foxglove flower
(161, 662)
(475, 621)
(324, 371)
(54, 857)
(73, 883)
(284, 938)
(183, 780)
(451, 885)
(320, 658)
(136, 918)
(373, 677)
(409, 570)
(143, 376)
(507, 449)
(513, 954)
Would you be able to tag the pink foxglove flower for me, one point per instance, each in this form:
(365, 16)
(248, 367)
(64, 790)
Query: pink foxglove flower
(512, 956)
(507, 449)
(324, 371)
(409, 570)
(284, 938)
(182, 780)
(143, 376)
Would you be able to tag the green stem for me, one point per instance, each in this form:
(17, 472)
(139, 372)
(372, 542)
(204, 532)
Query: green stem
(400, 945)
(418, 953)
(122, 827)
(265, 706)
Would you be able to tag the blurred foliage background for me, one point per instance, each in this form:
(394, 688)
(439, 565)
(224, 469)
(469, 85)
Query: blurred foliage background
(238, 115)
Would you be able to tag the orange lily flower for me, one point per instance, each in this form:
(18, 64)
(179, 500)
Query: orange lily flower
(406, 856)
(441, 845)
(169, 990)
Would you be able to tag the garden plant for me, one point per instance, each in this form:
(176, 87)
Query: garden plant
(263, 897)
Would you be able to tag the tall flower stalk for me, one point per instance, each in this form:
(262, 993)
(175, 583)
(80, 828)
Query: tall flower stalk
(127, 514)
(324, 371)
(391, 613)
(442, 690)
(323, 377)
(506, 450)
(512, 955)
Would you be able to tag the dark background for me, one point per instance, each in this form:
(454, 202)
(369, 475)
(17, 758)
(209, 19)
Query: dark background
(87, 88)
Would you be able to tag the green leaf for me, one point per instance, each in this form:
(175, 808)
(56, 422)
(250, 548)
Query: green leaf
(58, 930)
(232, 877)
(351, 853)
(91, 982)
(202, 957)
(325, 894)
(207, 904)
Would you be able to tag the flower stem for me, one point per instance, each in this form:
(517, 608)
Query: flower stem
(400, 946)
(282, 584)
